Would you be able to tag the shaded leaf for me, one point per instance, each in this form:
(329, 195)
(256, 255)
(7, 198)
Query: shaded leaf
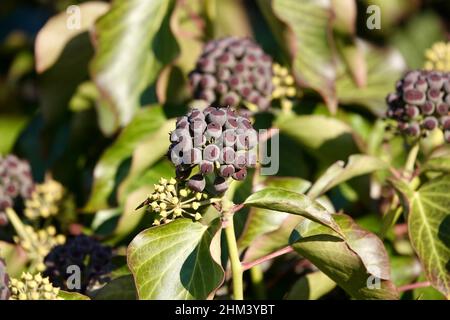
(311, 287)
(178, 260)
(10, 128)
(146, 122)
(358, 264)
(130, 54)
(262, 221)
(121, 288)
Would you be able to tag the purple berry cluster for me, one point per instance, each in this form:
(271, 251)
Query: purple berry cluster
(15, 180)
(421, 103)
(218, 141)
(232, 70)
(93, 259)
(4, 282)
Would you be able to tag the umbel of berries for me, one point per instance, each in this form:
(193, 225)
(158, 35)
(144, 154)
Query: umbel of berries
(421, 104)
(216, 142)
(4, 282)
(91, 257)
(231, 71)
(15, 180)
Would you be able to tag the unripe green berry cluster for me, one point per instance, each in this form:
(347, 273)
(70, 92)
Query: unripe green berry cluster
(93, 259)
(231, 71)
(421, 104)
(33, 287)
(216, 140)
(171, 200)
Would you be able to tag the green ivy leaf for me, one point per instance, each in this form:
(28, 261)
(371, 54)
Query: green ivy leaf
(429, 230)
(311, 23)
(145, 123)
(122, 288)
(384, 67)
(359, 264)
(262, 221)
(438, 164)
(10, 128)
(66, 295)
(133, 42)
(179, 260)
(339, 172)
(335, 143)
(278, 199)
(311, 287)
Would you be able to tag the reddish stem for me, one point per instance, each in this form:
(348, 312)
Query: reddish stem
(401, 229)
(248, 265)
(413, 286)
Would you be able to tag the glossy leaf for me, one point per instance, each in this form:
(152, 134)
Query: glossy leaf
(178, 260)
(66, 295)
(313, 55)
(145, 123)
(358, 264)
(339, 172)
(278, 199)
(429, 230)
(262, 221)
(130, 54)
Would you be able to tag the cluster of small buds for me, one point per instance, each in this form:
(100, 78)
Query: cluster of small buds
(171, 200)
(438, 57)
(231, 71)
(92, 258)
(38, 243)
(218, 141)
(33, 287)
(45, 200)
(15, 180)
(4, 281)
(421, 104)
(283, 83)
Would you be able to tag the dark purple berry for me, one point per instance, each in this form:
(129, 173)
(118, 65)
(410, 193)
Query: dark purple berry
(220, 185)
(240, 175)
(197, 183)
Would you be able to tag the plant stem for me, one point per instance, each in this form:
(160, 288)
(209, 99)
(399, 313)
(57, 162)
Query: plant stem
(270, 256)
(411, 160)
(233, 252)
(257, 276)
(18, 225)
(228, 210)
(413, 286)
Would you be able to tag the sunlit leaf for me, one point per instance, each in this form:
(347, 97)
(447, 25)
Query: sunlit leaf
(178, 260)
